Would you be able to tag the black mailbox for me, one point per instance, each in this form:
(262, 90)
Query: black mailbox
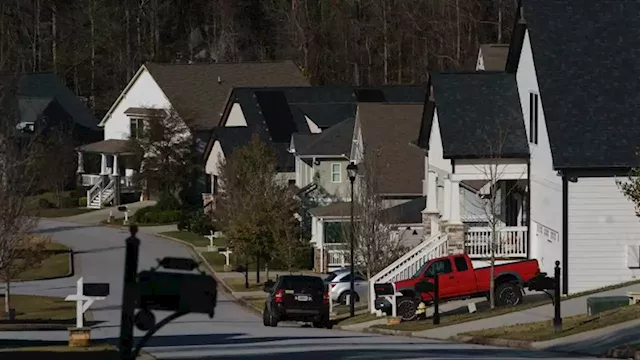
(123, 208)
(95, 289)
(383, 289)
(174, 263)
(171, 291)
(541, 282)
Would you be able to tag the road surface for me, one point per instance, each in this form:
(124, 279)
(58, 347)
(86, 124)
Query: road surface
(234, 332)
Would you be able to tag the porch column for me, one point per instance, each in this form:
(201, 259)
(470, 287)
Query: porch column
(446, 213)
(80, 163)
(103, 164)
(115, 165)
(430, 215)
(454, 218)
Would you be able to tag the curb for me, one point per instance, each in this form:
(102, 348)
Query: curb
(72, 264)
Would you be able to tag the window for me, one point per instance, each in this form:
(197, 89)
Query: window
(348, 278)
(533, 118)
(208, 182)
(137, 126)
(214, 185)
(439, 267)
(461, 263)
(336, 175)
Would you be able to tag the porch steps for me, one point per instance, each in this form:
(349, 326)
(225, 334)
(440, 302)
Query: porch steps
(406, 266)
(97, 201)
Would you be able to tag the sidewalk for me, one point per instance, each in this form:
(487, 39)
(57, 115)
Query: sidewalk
(96, 216)
(570, 307)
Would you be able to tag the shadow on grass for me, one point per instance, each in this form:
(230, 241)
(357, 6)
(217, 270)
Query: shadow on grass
(482, 307)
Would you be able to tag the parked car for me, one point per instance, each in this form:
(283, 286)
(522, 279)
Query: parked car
(297, 298)
(459, 280)
(339, 284)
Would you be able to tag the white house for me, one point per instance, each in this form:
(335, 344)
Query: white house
(561, 118)
(196, 92)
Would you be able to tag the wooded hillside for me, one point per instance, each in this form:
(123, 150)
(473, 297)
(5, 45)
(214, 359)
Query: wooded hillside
(97, 45)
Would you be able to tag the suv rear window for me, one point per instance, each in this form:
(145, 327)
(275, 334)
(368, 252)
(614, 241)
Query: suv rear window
(330, 277)
(302, 282)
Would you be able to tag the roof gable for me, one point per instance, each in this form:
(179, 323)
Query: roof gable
(479, 115)
(494, 56)
(587, 67)
(335, 141)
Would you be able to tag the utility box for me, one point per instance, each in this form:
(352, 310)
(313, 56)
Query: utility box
(596, 305)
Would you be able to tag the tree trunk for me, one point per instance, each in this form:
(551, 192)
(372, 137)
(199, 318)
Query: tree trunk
(258, 268)
(127, 39)
(492, 265)
(266, 271)
(499, 21)
(385, 34)
(7, 296)
(246, 274)
(38, 37)
(93, 56)
(54, 32)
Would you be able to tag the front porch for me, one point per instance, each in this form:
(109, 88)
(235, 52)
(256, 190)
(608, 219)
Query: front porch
(116, 176)
(459, 202)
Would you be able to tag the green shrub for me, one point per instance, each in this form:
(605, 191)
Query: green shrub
(67, 203)
(141, 213)
(167, 202)
(161, 217)
(82, 202)
(201, 223)
(45, 204)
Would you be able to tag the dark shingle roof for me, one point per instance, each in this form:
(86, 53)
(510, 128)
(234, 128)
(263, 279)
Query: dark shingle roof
(335, 141)
(479, 115)
(409, 212)
(199, 98)
(586, 57)
(494, 56)
(38, 90)
(389, 130)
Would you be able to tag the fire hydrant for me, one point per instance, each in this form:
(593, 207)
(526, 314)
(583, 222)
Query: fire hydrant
(421, 311)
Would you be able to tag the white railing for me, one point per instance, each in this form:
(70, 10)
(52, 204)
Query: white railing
(409, 263)
(337, 255)
(94, 192)
(109, 192)
(90, 179)
(510, 242)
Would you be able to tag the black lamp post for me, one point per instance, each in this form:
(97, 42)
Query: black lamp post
(352, 170)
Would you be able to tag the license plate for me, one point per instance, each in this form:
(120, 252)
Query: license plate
(303, 298)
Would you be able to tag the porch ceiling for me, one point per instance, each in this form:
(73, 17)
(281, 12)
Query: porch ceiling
(110, 146)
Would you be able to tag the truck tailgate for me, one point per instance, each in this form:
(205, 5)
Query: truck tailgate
(524, 270)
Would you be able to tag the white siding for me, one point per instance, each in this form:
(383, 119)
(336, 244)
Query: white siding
(480, 61)
(214, 160)
(436, 152)
(313, 127)
(485, 169)
(143, 93)
(546, 186)
(236, 117)
(602, 222)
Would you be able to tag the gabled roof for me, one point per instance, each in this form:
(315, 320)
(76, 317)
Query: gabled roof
(479, 115)
(494, 56)
(389, 130)
(586, 59)
(335, 141)
(36, 91)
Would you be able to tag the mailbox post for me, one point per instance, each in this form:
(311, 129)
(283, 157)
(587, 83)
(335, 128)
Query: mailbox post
(85, 296)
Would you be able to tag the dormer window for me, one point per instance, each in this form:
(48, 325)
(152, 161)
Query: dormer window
(533, 118)
(137, 128)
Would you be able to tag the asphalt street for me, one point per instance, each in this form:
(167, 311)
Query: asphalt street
(234, 332)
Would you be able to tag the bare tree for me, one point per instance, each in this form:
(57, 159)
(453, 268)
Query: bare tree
(58, 167)
(20, 156)
(375, 248)
(493, 195)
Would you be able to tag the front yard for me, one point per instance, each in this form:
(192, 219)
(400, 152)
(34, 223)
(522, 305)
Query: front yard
(543, 330)
(56, 265)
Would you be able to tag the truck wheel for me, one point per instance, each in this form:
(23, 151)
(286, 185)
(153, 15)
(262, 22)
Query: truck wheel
(508, 294)
(407, 309)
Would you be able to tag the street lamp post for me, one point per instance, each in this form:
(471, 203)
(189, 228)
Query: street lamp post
(352, 170)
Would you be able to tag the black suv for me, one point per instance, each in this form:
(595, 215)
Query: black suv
(297, 298)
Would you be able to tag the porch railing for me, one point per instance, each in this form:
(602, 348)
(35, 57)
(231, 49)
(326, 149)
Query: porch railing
(510, 242)
(89, 180)
(337, 255)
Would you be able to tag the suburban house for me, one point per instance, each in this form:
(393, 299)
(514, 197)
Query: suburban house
(382, 144)
(197, 93)
(297, 121)
(492, 57)
(560, 123)
(42, 99)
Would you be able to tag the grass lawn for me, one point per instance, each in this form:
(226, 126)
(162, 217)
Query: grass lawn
(30, 307)
(257, 303)
(61, 352)
(357, 319)
(192, 238)
(54, 266)
(461, 315)
(543, 330)
(120, 222)
(57, 213)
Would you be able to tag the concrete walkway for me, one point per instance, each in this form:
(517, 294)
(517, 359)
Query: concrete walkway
(569, 307)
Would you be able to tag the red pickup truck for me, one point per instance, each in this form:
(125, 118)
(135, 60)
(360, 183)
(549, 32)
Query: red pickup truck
(459, 280)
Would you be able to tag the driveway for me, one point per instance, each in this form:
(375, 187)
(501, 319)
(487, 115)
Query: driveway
(234, 333)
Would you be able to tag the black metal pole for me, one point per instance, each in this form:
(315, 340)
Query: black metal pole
(129, 295)
(436, 300)
(557, 318)
(352, 306)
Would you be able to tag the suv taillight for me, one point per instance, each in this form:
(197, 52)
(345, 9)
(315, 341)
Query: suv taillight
(325, 298)
(278, 296)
